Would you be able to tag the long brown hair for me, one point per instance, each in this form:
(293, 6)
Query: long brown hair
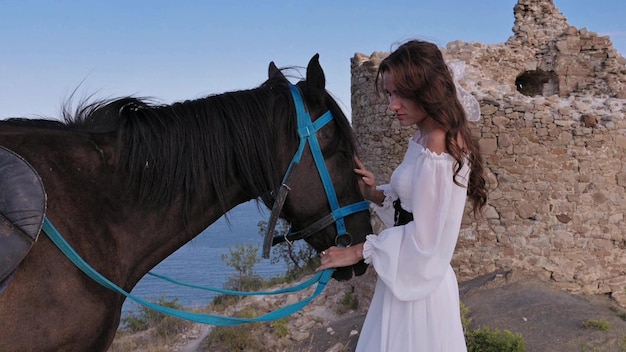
(421, 74)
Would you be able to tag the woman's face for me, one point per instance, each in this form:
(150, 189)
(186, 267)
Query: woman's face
(407, 111)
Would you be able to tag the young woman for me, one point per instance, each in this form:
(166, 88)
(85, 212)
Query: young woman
(415, 306)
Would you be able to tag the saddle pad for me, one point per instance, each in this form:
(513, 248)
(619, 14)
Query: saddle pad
(22, 209)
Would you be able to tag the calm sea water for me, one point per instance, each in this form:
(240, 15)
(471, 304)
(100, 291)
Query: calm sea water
(199, 261)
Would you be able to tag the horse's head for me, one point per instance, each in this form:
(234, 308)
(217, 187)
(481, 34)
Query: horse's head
(324, 207)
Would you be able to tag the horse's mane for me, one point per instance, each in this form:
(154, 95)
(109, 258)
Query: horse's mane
(345, 141)
(167, 150)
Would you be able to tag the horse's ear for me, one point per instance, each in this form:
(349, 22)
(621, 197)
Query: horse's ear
(315, 75)
(274, 72)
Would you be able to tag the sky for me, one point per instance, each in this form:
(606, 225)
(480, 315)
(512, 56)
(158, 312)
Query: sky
(178, 50)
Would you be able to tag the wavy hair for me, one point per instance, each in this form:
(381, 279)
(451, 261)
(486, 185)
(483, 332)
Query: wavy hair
(421, 74)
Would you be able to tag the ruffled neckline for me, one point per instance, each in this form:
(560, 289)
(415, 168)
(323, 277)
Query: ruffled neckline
(420, 148)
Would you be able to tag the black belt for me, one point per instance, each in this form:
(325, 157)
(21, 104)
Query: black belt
(401, 216)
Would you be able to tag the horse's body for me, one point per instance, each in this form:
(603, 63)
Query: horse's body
(128, 183)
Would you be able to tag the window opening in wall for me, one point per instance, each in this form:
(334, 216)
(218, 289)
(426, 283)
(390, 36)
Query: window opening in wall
(537, 82)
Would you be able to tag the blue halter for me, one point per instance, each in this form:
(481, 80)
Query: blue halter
(307, 130)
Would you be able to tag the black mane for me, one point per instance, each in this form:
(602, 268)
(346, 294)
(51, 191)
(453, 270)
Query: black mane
(168, 150)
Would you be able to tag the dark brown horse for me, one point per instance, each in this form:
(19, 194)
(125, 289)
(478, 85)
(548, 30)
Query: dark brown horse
(129, 182)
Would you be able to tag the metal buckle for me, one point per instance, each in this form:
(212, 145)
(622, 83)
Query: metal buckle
(344, 240)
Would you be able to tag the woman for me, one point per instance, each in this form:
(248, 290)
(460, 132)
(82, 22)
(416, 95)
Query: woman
(415, 306)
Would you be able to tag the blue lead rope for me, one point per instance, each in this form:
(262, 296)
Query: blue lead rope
(321, 278)
(299, 287)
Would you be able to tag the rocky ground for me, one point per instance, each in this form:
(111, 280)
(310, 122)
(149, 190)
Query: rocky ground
(549, 319)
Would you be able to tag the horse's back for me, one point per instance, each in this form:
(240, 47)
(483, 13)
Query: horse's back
(40, 307)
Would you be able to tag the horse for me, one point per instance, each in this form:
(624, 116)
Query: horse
(128, 181)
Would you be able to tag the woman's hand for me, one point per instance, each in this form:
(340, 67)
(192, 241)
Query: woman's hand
(337, 257)
(367, 183)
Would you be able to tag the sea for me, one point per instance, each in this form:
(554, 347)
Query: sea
(199, 262)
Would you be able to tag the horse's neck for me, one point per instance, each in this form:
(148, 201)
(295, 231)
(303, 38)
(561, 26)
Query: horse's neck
(163, 231)
(87, 201)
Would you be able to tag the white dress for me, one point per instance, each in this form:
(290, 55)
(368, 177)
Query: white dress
(415, 306)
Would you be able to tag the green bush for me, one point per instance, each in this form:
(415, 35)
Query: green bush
(224, 300)
(231, 338)
(280, 327)
(235, 338)
(348, 302)
(597, 324)
(248, 283)
(465, 321)
(242, 259)
(146, 317)
(494, 340)
(299, 257)
(489, 340)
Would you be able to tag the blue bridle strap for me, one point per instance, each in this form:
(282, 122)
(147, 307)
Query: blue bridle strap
(307, 130)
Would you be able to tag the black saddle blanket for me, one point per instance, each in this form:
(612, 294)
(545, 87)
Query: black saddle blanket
(22, 209)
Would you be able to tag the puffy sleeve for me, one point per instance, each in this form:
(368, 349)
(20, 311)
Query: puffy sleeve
(412, 259)
(385, 211)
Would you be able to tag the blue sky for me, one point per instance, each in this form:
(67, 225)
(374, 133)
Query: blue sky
(176, 50)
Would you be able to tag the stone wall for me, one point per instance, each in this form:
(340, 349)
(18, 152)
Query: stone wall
(554, 155)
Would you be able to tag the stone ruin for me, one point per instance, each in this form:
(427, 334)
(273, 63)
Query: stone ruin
(553, 136)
